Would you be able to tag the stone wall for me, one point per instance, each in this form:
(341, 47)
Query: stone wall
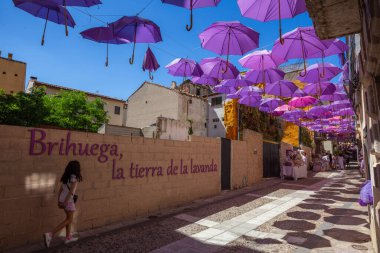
(123, 178)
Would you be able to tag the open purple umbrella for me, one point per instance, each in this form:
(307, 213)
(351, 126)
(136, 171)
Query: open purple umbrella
(314, 73)
(214, 67)
(269, 104)
(259, 60)
(317, 111)
(238, 82)
(338, 105)
(299, 93)
(250, 91)
(293, 114)
(205, 80)
(253, 101)
(267, 10)
(150, 63)
(197, 70)
(181, 67)
(282, 88)
(103, 35)
(302, 101)
(336, 47)
(265, 76)
(345, 112)
(336, 96)
(136, 30)
(318, 89)
(302, 43)
(46, 10)
(229, 38)
(192, 4)
(226, 89)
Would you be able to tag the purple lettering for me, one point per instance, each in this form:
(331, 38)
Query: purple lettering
(141, 172)
(131, 171)
(103, 150)
(70, 145)
(34, 142)
(61, 147)
(93, 148)
(51, 146)
(83, 149)
(113, 151)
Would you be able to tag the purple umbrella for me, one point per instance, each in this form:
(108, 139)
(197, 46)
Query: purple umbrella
(317, 111)
(318, 89)
(314, 73)
(103, 35)
(282, 88)
(136, 30)
(269, 104)
(267, 10)
(229, 38)
(238, 82)
(253, 101)
(302, 42)
(345, 112)
(226, 89)
(205, 80)
(181, 67)
(250, 91)
(265, 76)
(335, 47)
(293, 114)
(337, 96)
(213, 67)
(150, 63)
(259, 60)
(299, 93)
(197, 71)
(46, 10)
(338, 105)
(192, 4)
(302, 101)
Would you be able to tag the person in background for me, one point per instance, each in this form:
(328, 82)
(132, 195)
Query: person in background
(66, 201)
(341, 161)
(330, 159)
(362, 166)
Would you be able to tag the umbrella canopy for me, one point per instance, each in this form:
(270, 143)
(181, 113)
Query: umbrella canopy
(226, 89)
(215, 67)
(282, 88)
(205, 80)
(136, 30)
(259, 60)
(317, 111)
(229, 38)
(293, 114)
(302, 43)
(181, 67)
(103, 35)
(47, 10)
(336, 96)
(299, 93)
(192, 4)
(269, 104)
(265, 76)
(267, 10)
(314, 73)
(338, 105)
(302, 101)
(345, 112)
(80, 3)
(318, 89)
(150, 63)
(253, 101)
(238, 82)
(197, 70)
(250, 91)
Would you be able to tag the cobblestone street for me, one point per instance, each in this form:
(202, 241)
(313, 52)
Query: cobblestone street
(318, 214)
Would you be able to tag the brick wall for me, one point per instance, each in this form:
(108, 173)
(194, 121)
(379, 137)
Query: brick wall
(247, 160)
(29, 183)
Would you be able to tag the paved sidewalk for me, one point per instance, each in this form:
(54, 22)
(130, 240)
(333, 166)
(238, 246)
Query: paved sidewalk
(316, 214)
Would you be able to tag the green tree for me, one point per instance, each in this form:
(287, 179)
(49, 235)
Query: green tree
(72, 110)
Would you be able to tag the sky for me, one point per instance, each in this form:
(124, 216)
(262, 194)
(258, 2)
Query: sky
(79, 63)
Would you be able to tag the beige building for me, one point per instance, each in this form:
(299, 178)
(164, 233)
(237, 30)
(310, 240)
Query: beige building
(166, 112)
(12, 74)
(116, 108)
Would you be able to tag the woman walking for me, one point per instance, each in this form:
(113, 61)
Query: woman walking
(66, 201)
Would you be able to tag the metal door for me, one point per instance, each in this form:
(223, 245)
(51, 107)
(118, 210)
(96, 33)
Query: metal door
(226, 164)
(271, 159)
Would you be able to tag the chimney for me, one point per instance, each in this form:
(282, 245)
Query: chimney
(33, 78)
(173, 85)
(10, 56)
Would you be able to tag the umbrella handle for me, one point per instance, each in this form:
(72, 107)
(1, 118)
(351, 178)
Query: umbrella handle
(322, 75)
(107, 57)
(43, 35)
(132, 59)
(304, 58)
(151, 76)
(189, 27)
(279, 23)
(65, 17)
(228, 53)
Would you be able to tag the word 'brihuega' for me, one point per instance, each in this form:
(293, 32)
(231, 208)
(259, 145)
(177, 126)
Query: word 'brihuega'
(39, 145)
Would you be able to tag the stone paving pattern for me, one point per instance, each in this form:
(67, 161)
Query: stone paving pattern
(318, 214)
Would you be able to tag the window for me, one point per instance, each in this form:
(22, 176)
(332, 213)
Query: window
(216, 101)
(16, 74)
(215, 126)
(198, 91)
(117, 110)
(215, 120)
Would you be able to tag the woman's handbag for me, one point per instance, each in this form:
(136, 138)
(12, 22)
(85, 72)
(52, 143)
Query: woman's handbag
(75, 196)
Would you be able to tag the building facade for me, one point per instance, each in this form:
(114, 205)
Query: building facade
(168, 113)
(359, 21)
(12, 75)
(115, 108)
(216, 111)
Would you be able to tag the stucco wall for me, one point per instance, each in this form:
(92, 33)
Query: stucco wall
(170, 129)
(216, 112)
(29, 178)
(247, 160)
(196, 111)
(150, 102)
(12, 75)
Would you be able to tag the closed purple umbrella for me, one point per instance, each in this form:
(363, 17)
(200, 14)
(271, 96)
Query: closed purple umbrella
(215, 67)
(259, 60)
(229, 38)
(150, 63)
(192, 4)
(318, 89)
(267, 10)
(302, 101)
(103, 35)
(314, 73)
(47, 10)
(301, 43)
(205, 80)
(265, 76)
(136, 30)
(181, 67)
(282, 88)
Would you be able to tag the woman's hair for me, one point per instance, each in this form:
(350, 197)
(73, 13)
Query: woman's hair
(72, 168)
